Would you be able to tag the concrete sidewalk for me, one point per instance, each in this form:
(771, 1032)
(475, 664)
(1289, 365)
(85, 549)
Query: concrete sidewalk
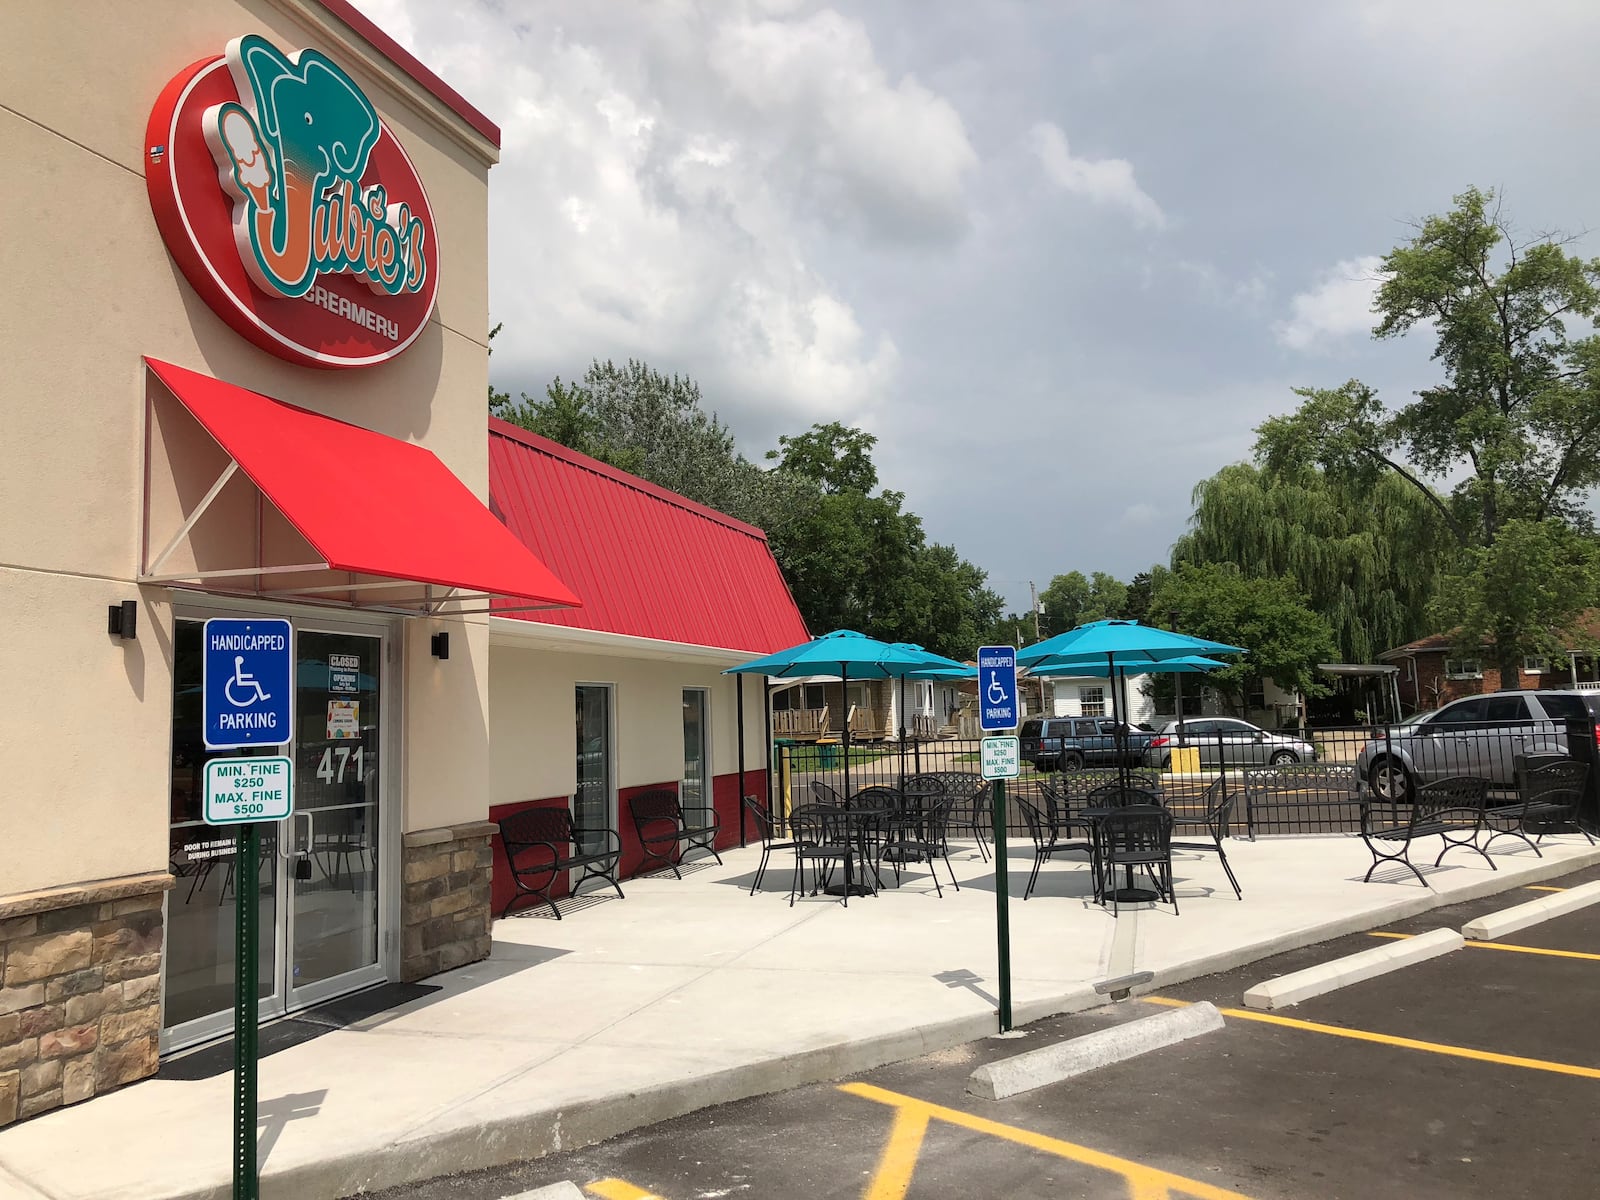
(691, 992)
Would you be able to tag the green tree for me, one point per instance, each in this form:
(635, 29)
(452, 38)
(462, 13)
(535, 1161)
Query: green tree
(860, 561)
(1366, 556)
(1533, 569)
(837, 457)
(1284, 639)
(1137, 599)
(1514, 421)
(498, 401)
(1074, 598)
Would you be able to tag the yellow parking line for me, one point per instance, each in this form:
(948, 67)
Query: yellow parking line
(1404, 1043)
(894, 1177)
(618, 1189)
(1503, 946)
(1540, 887)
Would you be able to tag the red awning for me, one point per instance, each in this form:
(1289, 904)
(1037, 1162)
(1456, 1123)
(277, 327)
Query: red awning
(378, 516)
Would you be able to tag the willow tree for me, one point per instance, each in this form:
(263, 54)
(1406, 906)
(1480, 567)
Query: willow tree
(1366, 559)
(1505, 447)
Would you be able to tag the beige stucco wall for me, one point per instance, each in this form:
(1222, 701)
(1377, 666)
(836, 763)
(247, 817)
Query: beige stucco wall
(84, 719)
(532, 748)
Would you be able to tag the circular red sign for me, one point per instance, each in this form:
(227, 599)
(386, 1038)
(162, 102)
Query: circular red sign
(341, 320)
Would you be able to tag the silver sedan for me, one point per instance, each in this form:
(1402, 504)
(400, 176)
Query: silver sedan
(1230, 740)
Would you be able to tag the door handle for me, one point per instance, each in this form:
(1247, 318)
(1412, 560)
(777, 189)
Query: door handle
(287, 846)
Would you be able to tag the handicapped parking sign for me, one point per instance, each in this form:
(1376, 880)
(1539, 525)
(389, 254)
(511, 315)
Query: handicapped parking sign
(997, 687)
(246, 671)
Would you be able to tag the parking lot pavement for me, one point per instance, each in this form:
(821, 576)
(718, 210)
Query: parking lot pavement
(1471, 1075)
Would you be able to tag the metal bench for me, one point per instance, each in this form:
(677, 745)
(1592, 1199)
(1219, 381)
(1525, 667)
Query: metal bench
(1548, 793)
(667, 829)
(542, 843)
(1451, 809)
(1076, 785)
(1331, 793)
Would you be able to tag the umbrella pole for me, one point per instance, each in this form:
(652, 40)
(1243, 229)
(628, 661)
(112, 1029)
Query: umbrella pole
(902, 733)
(1120, 738)
(844, 707)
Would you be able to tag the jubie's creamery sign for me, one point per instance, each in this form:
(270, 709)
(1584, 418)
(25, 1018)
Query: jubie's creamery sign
(291, 208)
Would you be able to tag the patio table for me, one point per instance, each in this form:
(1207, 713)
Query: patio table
(1127, 893)
(856, 825)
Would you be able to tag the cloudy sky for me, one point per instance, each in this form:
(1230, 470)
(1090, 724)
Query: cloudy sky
(1060, 257)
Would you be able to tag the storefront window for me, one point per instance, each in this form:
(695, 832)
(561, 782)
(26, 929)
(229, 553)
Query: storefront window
(696, 791)
(591, 806)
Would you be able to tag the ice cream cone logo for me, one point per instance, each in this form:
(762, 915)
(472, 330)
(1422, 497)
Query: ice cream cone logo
(292, 154)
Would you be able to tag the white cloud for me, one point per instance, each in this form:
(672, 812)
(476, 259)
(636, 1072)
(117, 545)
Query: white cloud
(669, 175)
(1339, 305)
(889, 156)
(1105, 181)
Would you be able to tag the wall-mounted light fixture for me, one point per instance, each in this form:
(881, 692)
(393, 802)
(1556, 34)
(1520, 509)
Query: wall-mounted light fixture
(441, 645)
(122, 620)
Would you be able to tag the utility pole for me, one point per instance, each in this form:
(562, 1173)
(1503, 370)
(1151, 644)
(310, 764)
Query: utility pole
(1033, 595)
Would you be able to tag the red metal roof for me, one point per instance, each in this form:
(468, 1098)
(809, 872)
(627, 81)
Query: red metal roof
(644, 561)
(369, 504)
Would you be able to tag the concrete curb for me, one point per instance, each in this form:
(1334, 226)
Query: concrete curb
(1491, 926)
(1352, 968)
(565, 1190)
(1079, 1055)
(533, 1134)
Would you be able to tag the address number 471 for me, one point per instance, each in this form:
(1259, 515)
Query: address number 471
(337, 759)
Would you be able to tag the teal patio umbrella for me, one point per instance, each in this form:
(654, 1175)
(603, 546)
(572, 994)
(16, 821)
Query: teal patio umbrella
(849, 655)
(1116, 645)
(1128, 643)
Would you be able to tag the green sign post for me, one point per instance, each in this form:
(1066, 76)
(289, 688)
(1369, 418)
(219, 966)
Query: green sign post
(246, 1182)
(1002, 921)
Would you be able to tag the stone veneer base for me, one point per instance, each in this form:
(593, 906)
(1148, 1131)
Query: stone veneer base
(446, 907)
(80, 991)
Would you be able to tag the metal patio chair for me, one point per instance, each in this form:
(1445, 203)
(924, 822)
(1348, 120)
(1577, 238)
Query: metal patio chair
(1138, 835)
(1051, 837)
(767, 829)
(1214, 821)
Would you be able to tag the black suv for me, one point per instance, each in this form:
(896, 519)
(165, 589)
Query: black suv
(1072, 743)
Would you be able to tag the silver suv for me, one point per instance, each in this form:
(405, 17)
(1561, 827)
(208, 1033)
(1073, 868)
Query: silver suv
(1477, 735)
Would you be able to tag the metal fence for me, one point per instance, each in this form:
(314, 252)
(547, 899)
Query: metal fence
(1298, 783)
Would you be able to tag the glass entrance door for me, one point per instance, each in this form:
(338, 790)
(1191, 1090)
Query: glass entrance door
(317, 879)
(331, 846)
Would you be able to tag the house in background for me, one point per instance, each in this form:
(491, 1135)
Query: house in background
(1433, 672)
(805, 709)
(1268, 706)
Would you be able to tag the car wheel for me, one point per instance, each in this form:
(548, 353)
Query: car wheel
(1284, 756)
(1072, 762)
(1389, 779)
(1166, 762)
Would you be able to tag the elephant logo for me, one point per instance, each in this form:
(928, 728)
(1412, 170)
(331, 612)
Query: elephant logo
(292, 154)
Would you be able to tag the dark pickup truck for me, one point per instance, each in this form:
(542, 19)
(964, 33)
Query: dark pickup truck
(1072, 743)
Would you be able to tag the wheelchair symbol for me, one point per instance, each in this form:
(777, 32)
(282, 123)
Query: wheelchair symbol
(997, 694)
(247, 684)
